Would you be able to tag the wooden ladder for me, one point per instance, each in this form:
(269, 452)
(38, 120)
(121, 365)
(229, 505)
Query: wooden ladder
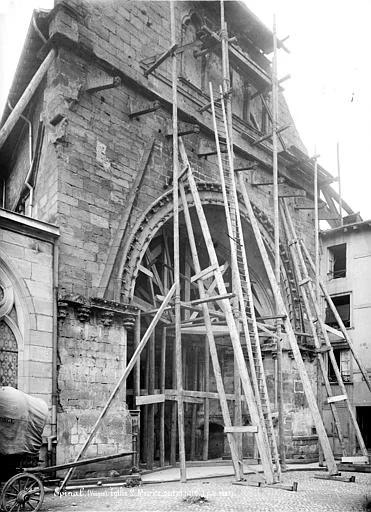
(246, 300)
(314, 316)
(307, 385)
(258, 427)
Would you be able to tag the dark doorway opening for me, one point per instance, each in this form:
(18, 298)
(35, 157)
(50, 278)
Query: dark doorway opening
(364, 422)
(216, 441)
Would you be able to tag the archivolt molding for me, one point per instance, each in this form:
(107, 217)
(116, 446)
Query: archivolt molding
(6, 294)
(162, 210)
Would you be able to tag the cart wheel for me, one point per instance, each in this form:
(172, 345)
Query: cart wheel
(23, 492)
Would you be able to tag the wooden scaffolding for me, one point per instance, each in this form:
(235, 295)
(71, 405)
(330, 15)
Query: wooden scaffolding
(236, 309)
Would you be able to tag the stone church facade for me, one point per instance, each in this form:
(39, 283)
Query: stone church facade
(86, 224)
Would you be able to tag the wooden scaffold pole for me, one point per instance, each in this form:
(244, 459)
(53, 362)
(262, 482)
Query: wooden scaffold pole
(318, 293)
(228, 102)
(178, 341)
(279, 383)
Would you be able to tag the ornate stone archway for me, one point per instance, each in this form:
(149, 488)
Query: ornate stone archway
(160, 212)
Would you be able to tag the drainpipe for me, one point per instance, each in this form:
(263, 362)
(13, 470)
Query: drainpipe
(30, 152)
(52, 440)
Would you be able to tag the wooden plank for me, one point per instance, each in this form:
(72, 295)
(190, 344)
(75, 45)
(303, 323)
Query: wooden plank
(122, 379)
(76, 464)
(150, 399)
(145, 271)
(213, 298)
(354, 459)
(338, 398)
(186, 399)
(204, 274)
(218, 330)
(336, 332)
(241, 429)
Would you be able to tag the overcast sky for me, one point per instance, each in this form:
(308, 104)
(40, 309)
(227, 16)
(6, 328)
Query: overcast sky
(329, 92)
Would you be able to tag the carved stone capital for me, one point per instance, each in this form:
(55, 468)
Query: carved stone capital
(83, 313)
(107, 317)
(62, 309)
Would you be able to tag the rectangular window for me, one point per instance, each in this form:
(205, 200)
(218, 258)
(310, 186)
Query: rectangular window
(342, 357)
(337, 261)
(342, 304)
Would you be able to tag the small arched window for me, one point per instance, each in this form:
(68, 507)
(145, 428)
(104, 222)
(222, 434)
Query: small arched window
(8, 339)
(8, 356)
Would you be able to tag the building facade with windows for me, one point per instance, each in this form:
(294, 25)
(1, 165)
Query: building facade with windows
(346, 271)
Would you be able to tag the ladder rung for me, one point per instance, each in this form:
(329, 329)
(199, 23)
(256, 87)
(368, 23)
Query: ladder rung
(338, 398)
(242, 429)
(305, 281)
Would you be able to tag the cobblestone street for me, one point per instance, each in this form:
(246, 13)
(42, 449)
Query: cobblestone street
(313, 495)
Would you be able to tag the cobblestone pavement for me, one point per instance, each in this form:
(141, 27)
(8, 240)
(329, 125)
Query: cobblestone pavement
(313, 495)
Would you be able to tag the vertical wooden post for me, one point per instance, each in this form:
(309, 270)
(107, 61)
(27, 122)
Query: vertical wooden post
(173, 411)
(125, 360)
(317, 271)
(277, 269)
(178, 341)
(151, 407)
(237, 405)
(137, 365)
(194, 406)
(205, 452)
(162, 390)
(146, 407)
(229, 128)
(136, 386)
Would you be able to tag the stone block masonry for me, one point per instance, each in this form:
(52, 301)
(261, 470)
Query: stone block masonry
(26, 269)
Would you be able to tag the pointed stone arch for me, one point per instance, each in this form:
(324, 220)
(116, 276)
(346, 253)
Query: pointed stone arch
(18, 319)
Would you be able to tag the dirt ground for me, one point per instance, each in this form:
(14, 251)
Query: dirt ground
(219, 494)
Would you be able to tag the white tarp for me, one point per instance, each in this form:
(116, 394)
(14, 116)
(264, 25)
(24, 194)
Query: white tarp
(22, 421)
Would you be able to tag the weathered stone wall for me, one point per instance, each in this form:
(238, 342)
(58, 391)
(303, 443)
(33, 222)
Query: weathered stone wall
(92, 355)
(26, 266)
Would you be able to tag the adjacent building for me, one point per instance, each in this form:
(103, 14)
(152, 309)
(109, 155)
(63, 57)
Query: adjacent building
(346, 271)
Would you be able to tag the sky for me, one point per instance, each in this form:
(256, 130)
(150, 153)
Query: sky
(329, 93)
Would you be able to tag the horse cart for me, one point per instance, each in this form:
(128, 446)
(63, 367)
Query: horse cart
(22, 420)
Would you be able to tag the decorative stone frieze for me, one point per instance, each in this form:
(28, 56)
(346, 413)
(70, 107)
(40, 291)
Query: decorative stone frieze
(105, 310)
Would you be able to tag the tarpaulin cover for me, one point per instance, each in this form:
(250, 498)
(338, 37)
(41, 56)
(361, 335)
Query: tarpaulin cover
(22, 421)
